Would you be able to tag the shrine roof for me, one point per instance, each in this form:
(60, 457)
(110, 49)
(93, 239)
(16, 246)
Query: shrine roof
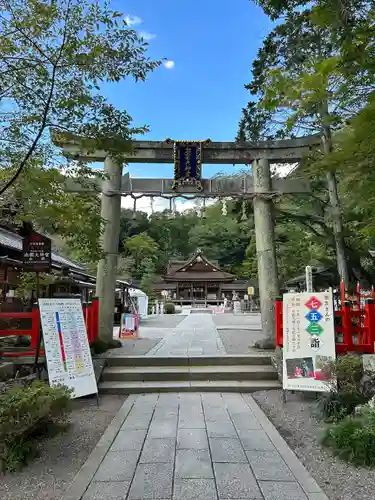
(198, 268)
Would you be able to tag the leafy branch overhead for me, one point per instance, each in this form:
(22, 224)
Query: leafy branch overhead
(54, 59)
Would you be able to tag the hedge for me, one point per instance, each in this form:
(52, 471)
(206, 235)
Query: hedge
(24, 411)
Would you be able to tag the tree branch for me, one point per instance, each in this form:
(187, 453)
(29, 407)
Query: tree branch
(46, 108)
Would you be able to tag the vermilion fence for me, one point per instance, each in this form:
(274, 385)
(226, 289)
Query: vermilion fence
(31, 329)
(354, 325)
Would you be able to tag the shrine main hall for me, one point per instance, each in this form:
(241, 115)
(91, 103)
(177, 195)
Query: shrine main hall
(199, 281)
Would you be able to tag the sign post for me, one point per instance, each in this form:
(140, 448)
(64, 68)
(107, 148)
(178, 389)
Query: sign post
(66, 346)
(36, 257)
(308, 340)
(309, 280)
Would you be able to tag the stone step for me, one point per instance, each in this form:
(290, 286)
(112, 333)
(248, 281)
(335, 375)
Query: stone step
(224, 360)
(189, 373)
(184, 386)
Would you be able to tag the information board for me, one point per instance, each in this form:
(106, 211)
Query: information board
(66, 346)
(308, 340)
(36, 253)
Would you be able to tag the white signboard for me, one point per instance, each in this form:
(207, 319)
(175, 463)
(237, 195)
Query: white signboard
(66, 346)
(308, 340)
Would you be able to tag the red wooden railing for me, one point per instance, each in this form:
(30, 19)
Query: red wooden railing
(91, 315)
(354, 326)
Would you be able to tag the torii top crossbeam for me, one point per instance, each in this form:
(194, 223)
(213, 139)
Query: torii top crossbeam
(280, 151)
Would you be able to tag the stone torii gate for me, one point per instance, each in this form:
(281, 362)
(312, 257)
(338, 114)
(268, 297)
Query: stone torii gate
(260, 186)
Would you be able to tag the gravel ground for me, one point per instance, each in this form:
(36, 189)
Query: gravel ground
(49, 476)
(296, 423)
(240, 341)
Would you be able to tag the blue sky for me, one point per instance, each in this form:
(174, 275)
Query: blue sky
(212, 44)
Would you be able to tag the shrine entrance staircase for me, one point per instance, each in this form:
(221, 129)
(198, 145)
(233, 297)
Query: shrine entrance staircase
(226, 373)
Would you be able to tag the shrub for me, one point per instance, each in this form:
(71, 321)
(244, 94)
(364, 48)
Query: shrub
(353, 438)
(347, 370)
(336, 404)
(347, 392)
(25, 411)
(99, 346)
(169, 308)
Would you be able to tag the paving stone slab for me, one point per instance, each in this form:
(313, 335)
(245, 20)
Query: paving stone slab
(194, 399)
(194, 489)
(195, 439)
(255, 440)
(245, 421)
(107, 491)
(117, 466)
(193, 464)
(227, 450)
(161, 429)
(152, 481)
(158, 450)
(135, 425)
(129, 440)
(269, 466)
(195, 422)
(165, 413)
(189, 412)
(216, 415)
(221, 430)
(236, 481)
(273, 490)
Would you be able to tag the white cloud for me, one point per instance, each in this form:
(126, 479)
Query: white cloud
(133, 20)
(147, 36)
(169, 64)
(283, 170)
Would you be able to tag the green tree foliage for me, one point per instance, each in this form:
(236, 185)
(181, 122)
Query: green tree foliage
(305, 81)
(54, 56)
(54, 59)
(144, 252)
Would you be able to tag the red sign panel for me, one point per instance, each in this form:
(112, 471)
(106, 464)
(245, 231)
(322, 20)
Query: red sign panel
(313, 303)
(36, 250)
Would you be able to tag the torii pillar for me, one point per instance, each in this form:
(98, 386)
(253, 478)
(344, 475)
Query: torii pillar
(109, 239)
(265, 246)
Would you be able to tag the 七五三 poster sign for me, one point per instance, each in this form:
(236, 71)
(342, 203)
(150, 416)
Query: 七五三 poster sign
(66, 346)
(308, 340)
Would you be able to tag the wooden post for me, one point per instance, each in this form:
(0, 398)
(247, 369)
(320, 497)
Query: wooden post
(107, 267)
(279, 321)
(347, 325)
(265, 245)
(370, 322)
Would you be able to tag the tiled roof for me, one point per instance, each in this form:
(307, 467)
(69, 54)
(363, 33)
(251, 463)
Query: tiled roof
(199, 275)
(198, 267)
(12, 240)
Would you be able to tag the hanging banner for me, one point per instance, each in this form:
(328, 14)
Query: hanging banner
(187, 157)
(66, 346)
(308, 340)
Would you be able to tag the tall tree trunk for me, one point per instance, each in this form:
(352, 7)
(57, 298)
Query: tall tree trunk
(335, 208)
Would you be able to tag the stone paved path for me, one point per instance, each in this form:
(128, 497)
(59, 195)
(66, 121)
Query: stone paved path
(197, 446)
(196, 335)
